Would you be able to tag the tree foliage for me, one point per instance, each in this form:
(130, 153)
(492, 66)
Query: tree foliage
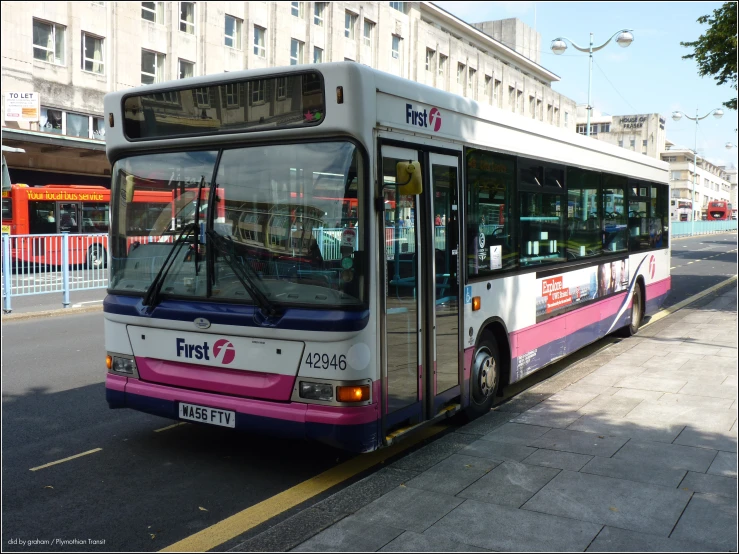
(715, 51)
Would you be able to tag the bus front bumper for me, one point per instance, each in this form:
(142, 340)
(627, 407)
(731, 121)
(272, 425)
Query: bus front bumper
(348, 428)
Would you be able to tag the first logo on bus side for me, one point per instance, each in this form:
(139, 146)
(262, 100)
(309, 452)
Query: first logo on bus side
(423, 118)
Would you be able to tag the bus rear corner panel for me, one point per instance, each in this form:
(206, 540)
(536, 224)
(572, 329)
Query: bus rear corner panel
(360, 438)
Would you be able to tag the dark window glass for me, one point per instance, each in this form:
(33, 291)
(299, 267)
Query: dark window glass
(7, 207)
(583, 217)
(95, 218)
(542, 222)
(615, 231)
(42, 218)
(490, 203)
(146, 118)
(659, 226)
(638, 216)
(530, 174)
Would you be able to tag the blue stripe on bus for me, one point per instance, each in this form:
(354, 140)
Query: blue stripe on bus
(242, 315)
(357, 438)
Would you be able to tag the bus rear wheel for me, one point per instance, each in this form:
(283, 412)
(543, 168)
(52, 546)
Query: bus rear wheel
(96, 257)
(484, 379)
(637, 302)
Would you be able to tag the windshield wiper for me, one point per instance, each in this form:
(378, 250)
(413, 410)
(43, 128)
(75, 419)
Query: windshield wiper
(243, 271)
(197, 223)
(151, 296)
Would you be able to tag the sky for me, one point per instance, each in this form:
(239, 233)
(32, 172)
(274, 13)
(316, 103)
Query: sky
(649, 76)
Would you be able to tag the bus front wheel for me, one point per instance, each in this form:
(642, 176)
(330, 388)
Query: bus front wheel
(96, 257)
(484, 379)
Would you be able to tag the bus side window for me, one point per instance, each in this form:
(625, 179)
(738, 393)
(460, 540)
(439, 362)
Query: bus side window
(41, 219)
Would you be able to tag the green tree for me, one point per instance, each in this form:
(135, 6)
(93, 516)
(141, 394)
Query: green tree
(715, 51)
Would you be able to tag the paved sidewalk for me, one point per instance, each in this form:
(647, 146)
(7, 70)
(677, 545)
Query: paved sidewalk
(632, 449)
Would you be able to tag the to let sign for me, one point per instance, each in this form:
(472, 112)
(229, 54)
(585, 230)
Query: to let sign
(21, 106)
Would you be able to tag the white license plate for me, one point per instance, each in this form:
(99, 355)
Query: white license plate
(214, 416)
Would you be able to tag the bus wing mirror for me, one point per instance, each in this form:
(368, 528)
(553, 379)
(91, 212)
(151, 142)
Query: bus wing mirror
(408, 178)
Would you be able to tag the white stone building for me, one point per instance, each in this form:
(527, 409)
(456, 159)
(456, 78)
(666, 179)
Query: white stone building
(72, 53)
(644, 133)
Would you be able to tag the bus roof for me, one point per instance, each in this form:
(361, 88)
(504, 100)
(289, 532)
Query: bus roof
(374, 99)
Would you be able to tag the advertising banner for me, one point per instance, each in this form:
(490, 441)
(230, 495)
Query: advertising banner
(21, 106)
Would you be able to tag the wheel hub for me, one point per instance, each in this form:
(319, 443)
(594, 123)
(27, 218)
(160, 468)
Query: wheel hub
(484, 375)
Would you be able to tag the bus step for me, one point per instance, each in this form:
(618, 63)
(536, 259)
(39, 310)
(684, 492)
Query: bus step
(399, 434)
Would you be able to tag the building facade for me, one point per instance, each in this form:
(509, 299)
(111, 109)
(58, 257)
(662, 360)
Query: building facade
(708, 181)
(72, 53)
(644, 133)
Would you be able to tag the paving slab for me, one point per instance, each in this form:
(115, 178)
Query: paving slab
(580, 442)
(635, 471)
(516, 433)
(695, 401)
(509, 484)
(710, 419)
(291, 532)
(667, 455)
(642, 382)
(500, 451)
(640, 394)
(619, 427)
(453, 474)
(348, 500)
(408, 508)
(709, 389)
(612, 539)
(709, 484)
(716, 440)
(487, 423)
(350, 535)
(608, 501)
(610, 405)
(556, 459)
(415, 542)
(433, 453)
(507, 529)
(709, 519)
(724, 464)
(560, 420)
(601, 390)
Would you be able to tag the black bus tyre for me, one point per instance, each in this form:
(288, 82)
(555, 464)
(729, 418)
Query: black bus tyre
(96, 257)
(484, 378)
(637, 303)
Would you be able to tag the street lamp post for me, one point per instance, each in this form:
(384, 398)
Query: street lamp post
(558, 46)
(677, 116)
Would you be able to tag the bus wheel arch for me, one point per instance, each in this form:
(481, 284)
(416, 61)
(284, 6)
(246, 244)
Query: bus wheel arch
(97, 257)
(638, 301)
(490, 368)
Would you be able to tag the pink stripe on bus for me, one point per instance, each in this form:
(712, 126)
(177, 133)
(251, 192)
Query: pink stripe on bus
(115, 382)
(267, 386)
(659, 288)
(291, 411)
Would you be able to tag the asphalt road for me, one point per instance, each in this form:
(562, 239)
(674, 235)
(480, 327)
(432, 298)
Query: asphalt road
(146, 488)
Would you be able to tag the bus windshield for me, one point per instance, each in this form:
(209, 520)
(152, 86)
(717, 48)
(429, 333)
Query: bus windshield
(289, 216)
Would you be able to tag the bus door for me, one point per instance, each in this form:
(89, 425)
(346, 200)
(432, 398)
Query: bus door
(421, 292)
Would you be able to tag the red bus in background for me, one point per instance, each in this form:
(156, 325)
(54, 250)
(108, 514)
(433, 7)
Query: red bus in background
(719, 210)
(83, 212)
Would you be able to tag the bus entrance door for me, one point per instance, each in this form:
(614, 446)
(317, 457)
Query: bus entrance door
(420, 235)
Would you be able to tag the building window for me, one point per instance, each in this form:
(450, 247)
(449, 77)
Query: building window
(260, 50)
(92, 54)
(396, 47)
(567, 119)
(512, 98)
(187, 17)
(187, 69)
(400, 6)
(48, 42)
(644, 143)
(369, 30)
(519, 101)
(488, 87)
(430, 59)
(556, 116)
(153, 11)
(51, 121)
(152, 67)
(296, 9)
(350, 22)
(318, 8)
(605, 127)
(317, 55)
(471, 80)
(532, 106)
(98, 128)
(202, 97)
(549, 114)
(632, 143)
(442, 65)
(581, 128)
(233, 32)
(496, 93)
(258, 91)
(232, 95)
(78, 125)
(621, 144)
(296, 52)
(281, 88)
(460, 73)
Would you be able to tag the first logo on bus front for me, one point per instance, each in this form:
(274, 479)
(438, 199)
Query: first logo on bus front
(431, 119)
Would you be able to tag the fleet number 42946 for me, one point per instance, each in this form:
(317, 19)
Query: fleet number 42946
(325, 361)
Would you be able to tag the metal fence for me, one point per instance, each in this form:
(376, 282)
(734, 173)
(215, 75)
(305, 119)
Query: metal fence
(688, 228)
(43, 264)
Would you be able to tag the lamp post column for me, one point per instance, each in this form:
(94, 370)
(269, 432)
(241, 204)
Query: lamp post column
(590, 83)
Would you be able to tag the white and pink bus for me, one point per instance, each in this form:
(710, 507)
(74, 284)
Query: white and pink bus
(289, 314)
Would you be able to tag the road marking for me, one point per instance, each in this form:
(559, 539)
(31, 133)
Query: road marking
(65, 459)
(80, 304)
(249, 518)
(690, 263)
(673, 267)
(170, 426)
(667, 311)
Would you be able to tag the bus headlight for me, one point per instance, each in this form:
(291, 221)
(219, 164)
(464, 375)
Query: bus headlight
(316, 391)
(119, 364)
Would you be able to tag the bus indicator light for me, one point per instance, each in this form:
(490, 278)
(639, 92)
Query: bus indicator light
(476, 303)
(353, 394)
